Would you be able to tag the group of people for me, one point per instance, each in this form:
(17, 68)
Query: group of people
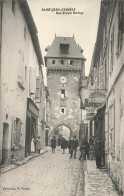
(72, 145)
(36, 145)
(94, 149)
(84, 148)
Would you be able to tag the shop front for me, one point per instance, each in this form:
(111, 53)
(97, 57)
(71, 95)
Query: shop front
(99, 128)
(31, 125)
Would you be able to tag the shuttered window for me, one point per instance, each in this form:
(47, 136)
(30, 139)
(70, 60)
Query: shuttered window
(18, 131)
(107, 130)
(21, 65)
(38, 90)
(112, 127)
(16, 139)
(32, 81)
(120, 26)
(101, 77)
(112, 50)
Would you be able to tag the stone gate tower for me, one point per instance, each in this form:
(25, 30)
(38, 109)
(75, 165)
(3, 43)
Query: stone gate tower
(65, 66)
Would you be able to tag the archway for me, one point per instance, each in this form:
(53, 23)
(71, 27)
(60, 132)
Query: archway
(61, 131)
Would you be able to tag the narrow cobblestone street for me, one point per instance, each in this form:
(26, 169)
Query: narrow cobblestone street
(56, 175)
(47, 175)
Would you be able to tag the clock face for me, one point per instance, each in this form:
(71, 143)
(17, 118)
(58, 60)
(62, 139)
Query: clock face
(63, 79)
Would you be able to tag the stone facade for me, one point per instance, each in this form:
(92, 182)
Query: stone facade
(64, 98)
(108, 74)
(20, 65)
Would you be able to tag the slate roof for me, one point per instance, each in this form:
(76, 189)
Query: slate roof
(74, 49)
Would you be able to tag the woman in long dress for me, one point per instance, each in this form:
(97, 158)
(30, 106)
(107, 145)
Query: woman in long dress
(32, 145)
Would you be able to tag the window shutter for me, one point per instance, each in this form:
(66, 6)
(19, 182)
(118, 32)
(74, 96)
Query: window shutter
(32, 81)
(92, 77)
(18, 130)
(21, 133)
(37, 95)
(13, 133)
(86, 103)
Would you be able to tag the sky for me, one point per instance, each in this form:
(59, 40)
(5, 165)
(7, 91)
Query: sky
(82, 24)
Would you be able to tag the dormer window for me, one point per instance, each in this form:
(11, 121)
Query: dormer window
(64, 48)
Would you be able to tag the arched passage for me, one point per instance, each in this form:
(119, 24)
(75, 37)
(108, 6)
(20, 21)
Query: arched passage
(60, 131)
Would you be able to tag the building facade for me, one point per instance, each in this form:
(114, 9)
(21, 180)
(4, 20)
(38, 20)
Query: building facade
(108, 78)
(65, 65)
(20, 70)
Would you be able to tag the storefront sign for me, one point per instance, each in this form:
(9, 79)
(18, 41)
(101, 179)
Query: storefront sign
(96, 99)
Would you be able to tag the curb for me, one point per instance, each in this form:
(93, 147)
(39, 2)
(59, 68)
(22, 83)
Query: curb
(21, 162)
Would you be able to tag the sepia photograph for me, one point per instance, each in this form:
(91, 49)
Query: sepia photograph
(61, 97)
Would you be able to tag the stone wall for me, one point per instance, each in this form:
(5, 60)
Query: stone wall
(71, 102)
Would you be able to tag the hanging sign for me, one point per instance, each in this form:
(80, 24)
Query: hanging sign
(96, 99)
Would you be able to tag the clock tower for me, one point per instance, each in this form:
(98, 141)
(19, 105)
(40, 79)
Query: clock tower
(65, 66)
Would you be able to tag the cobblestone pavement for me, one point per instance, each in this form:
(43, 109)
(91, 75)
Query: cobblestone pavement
(97, 182)
(57, 175)
(47, 175)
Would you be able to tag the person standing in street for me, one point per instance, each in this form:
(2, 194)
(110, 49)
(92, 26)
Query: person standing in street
(53, 144)
(92, 148)
(86, 149)
(74, 147)
(82, 148)
(32, 145)
(63, 144)
(38, 144)
(98, 153)
(70, 145)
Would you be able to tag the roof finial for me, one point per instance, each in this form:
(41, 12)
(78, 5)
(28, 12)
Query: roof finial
(55, 34)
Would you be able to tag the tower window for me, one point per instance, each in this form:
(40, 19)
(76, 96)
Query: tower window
(64, 48)
(62, 61)
(62, 110)
(62, 93)
(53, 61)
